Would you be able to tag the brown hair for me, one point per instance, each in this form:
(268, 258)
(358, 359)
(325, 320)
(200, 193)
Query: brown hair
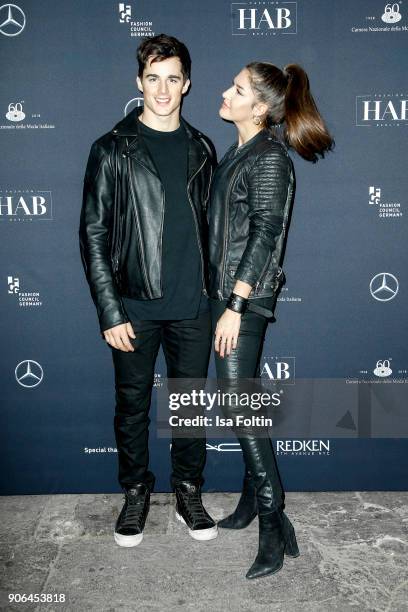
(162, 47)
(288, 96)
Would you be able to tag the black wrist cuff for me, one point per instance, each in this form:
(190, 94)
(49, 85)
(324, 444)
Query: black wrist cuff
(237, 303)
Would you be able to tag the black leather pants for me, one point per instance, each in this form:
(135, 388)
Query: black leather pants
(187, 347)
(244, 363)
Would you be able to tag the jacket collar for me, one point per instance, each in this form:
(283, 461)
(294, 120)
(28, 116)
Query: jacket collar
(130, 127)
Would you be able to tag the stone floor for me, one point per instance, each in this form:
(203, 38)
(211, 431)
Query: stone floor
(353, 556)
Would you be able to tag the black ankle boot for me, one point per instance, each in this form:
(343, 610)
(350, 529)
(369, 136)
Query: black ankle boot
(246, 510)
(276, 532)
(269, 559)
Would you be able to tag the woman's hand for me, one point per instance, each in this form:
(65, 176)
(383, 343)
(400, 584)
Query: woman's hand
(227, 332)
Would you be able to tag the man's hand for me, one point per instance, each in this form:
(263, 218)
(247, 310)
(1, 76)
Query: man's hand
(118, 337)
(227, 332)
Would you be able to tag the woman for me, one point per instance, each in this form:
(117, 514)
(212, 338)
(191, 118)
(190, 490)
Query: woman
(251, 197)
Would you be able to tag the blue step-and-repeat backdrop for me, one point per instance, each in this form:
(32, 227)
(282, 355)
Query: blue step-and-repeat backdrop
(68, 75)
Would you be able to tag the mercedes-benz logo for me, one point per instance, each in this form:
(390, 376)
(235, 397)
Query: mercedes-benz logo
(29, 373)
(133, 103)
(384, 286)
(12, 20)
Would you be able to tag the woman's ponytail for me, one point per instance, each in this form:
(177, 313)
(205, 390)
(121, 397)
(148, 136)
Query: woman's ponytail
(287, 95)
(305, 128)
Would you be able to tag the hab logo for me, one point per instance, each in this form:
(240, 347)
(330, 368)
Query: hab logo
(29, 373)
(382, 368)
(263, 18)
(125, 12)
(384, 287)
(29, 205)
(12, 20)
(391, 13)
(382, 110)
(15, 112)
(280, 369)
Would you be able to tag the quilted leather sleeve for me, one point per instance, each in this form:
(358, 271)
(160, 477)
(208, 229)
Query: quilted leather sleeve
(268, 183)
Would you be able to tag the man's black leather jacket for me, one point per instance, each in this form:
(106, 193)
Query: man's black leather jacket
(250, 199)
(121, 224)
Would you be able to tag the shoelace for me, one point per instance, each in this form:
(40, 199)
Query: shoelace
(194, 506)
(134, 509)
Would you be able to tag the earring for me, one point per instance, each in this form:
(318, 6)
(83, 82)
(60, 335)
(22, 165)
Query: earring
(256, 120)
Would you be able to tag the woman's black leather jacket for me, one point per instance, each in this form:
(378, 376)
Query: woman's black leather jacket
(250, 199)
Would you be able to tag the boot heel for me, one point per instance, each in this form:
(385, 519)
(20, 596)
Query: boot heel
(291, 546)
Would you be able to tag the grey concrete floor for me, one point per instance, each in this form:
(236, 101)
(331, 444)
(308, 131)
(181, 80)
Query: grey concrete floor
(353, 556)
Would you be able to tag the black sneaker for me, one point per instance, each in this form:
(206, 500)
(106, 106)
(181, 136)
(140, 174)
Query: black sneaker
(191, 512)
(132, 518)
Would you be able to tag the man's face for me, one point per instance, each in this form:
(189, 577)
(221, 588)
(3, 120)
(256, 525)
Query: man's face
(163, 85)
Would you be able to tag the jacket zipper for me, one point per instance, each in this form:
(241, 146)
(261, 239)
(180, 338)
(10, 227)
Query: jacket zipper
(196, 225)
(142, 255)
(116, 222)
(208, 190)
(118, 241)
(264, 269)
(221, 286)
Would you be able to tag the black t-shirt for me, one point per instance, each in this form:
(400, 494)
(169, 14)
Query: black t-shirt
(181, 261)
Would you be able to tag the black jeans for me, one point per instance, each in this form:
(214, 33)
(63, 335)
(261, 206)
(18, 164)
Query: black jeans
(187, 347)
(244, 363)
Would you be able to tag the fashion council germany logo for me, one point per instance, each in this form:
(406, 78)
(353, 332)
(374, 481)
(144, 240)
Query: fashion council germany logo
(386, 209)
(26, 299)
(263, 18)
(12, 20)
(141, 27)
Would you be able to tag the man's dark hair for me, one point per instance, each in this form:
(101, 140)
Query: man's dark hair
(162, 47)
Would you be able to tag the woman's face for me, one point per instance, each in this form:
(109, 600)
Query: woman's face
(239, 100)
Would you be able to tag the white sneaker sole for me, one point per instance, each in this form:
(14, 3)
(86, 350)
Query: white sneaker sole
(128, 540)
(200, 534)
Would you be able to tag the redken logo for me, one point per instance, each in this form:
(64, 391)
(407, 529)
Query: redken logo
(303, 447)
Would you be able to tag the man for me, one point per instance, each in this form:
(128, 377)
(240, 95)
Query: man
(143, 237)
